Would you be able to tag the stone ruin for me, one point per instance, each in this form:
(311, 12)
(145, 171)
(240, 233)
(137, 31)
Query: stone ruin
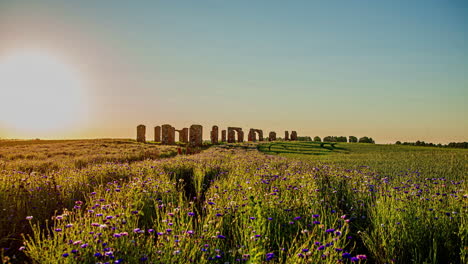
(141, 133)
(223, 135)
(214, 135)
(157, 134)
(183, 135)
(232, 135)
(272, 136)
(293, 135)
(253, 135)
(168, 135)
(196, 135)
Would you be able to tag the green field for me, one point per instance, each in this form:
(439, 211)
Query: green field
(118, 201)
(386, 159)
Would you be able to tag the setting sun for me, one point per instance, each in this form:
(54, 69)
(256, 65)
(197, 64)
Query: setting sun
(40, 93)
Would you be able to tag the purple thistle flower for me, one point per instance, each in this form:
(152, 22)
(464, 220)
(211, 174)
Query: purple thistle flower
(361, 257)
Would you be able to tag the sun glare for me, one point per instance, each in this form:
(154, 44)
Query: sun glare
(40, 94)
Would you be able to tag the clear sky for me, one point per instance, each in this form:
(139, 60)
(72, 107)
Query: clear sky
(392, 70)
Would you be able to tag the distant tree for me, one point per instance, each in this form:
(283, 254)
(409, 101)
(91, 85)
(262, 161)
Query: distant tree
(341, 139)
(317, 139)
(304, 138)
(329, 139)
(352, 139)
(398, 143)
(366, 140)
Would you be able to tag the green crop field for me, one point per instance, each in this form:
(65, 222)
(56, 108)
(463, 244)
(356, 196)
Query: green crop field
(118, 201)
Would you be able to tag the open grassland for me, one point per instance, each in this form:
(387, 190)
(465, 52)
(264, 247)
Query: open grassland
(297, 203)
(40, 177)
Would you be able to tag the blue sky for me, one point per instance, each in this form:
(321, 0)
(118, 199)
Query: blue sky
(394, 71)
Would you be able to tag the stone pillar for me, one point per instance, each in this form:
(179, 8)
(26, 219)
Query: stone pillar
(286, 135)
(223, 135)
(240, 136)
(272, 136)
(157, 134)
(293, 135)
(214, 135)
(168, 135)
(184, 135)
(141, 133)
(172, 136)
(231, 135)
(196, 135)
(260, 135)
(251, 137)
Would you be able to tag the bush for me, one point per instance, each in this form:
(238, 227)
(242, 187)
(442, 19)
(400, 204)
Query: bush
(317, 139)
(353, 139)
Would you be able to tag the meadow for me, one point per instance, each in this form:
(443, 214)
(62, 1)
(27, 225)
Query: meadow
(282, 202)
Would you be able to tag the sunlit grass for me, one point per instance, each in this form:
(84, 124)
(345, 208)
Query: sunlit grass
(235, 204)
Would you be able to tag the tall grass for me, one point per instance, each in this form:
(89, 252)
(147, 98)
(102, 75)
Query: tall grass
(233, 204)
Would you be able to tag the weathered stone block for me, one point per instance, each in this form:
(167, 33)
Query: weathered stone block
(272, 136)
(184, 135)
(157, 134)
(168, 135)
(196, 135)
(293, 135)
(223, 135)
(141, 133)
(214, 135)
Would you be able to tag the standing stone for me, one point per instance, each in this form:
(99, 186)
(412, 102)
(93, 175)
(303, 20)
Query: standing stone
(168, 135)
(293, 135)
(286, 135)
(157, 134)
(172, 136)
(196, 135)
(240, 136)
(141, 133)
(184, 135)
(223, 135)
(252, 136)
(214, 135)
(260, 134)
(231, 135)
(272, 136)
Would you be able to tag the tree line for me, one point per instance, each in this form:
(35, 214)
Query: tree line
(350, 139)
(428, 144)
